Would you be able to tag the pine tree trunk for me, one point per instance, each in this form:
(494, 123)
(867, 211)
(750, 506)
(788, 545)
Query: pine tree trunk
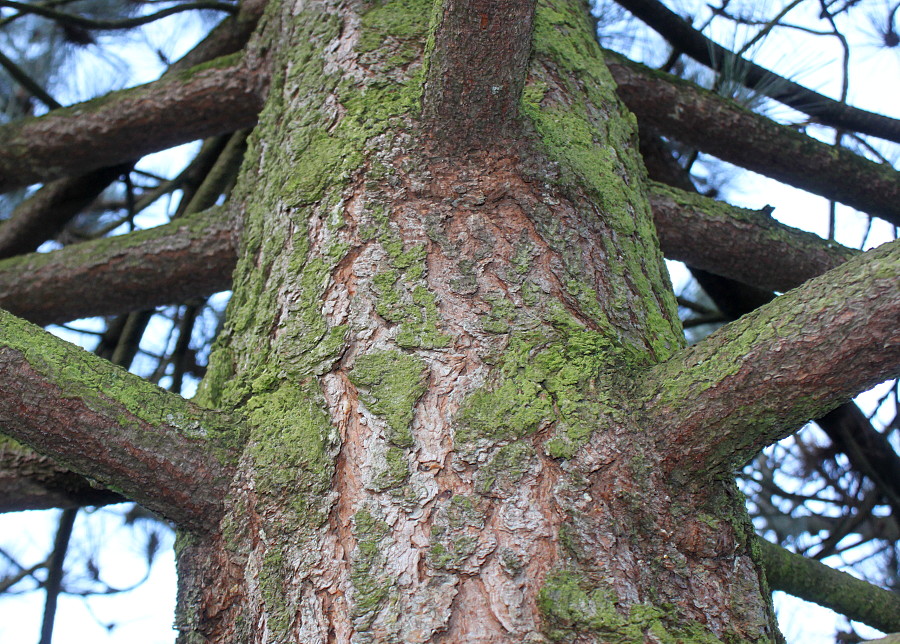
(434, 329)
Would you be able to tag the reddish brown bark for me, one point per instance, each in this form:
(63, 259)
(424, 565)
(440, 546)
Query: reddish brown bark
(179, 108)
(96, 419)
(477, 70)
(758, 379)
(699, 118)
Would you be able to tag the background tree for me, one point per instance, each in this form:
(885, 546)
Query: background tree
(448, 316)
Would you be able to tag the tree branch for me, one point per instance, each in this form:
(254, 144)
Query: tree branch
(39, 217)
(42, 215)
(721, 127)
(683, 37)
(120, 126)
(169, 264)
(477, 69)
(815, 582)
(756, 380)
(741, 244)
(32, 481)
(158, 449)
(124, 23)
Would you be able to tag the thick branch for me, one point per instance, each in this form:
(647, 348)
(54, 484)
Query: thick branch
(188, 258)
(32, 481)
(815, 582)
(477, 69)
(155, 447)
(125, 125)
(683, 37)
(745, 245)
(717, 403)
(721, 127)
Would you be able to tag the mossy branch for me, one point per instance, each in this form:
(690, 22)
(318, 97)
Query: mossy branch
(683, 111)
(153, 446)
(217, 97)
(745, 245)
(714, 405)
(189, 258)
(815, 582)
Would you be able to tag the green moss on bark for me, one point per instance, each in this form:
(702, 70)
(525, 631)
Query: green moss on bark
(573, 606)
(390, 383)
(593, 138)
(372, 586)
(544, 379)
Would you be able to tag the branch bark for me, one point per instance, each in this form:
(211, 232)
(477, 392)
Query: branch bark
(683, 37)
(723, 128)
(745, 245)
(32, 481)
(756, 380)
(189, 258)
(477, 69)
(197, 103)
(815, 582)
(156, 448)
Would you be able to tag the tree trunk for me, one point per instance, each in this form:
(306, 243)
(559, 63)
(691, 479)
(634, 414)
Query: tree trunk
(436, 327)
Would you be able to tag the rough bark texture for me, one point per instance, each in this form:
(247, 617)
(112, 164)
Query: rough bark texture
(182, 107)
(477, 69)
(431, 350)
(697, 117)
(195, 258)
(124, 432)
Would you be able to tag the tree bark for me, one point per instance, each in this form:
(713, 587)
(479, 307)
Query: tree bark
(438, 351)
(431, 345)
